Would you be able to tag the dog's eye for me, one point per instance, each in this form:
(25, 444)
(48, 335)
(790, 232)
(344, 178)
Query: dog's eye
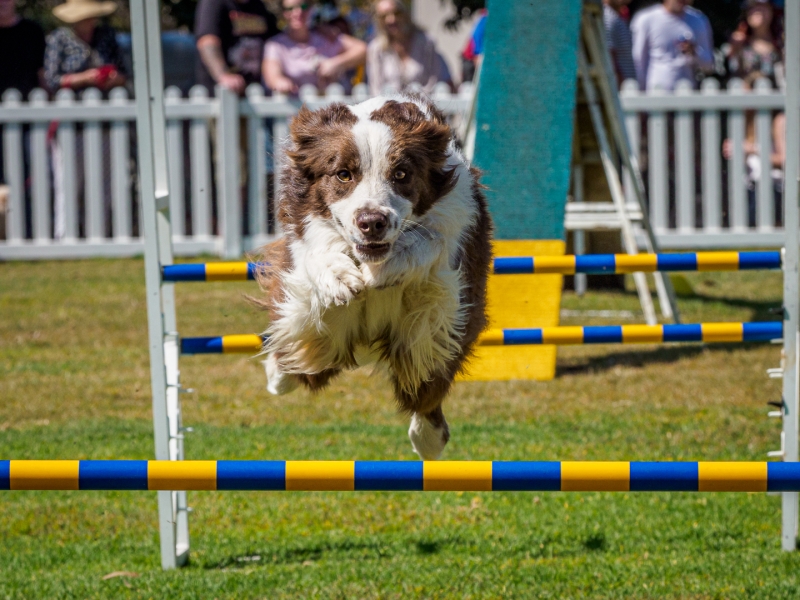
(344, 176)
(399, 175)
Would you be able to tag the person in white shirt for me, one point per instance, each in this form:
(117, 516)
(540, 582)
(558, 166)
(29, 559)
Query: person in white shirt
(671, 41)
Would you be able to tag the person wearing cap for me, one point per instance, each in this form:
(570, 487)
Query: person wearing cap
(83, 53)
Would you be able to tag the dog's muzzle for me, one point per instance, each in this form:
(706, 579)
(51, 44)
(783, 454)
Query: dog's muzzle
(372, 226)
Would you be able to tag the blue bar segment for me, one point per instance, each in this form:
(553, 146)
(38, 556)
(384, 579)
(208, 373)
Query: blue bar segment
(5, 474)
(251, 270)
(388, 475)
(676, 262)
(762, 332)
(251, 475)
(605, 334)
(515, 337)
(201, 345)
(683, 333)
(783, 477)
(595, 263)
(760, 260)
(534, 476)
(112, 475)
(513, 265)
(188, 272)
(664, 477)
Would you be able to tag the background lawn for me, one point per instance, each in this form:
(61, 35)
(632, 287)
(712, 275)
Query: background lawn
(74, 383)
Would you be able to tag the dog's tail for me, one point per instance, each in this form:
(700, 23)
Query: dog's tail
(270, 261)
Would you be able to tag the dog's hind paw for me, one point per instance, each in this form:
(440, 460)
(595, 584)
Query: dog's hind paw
(427, 439)
(340, 283)
(278, 382)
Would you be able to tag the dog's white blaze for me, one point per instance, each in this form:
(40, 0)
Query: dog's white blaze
(373, 192)
(428, 441)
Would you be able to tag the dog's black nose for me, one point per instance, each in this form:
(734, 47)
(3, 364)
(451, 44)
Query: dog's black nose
(372, 224)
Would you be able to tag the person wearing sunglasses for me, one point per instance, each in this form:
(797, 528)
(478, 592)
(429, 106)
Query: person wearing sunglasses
(402, 56)
(301, 55)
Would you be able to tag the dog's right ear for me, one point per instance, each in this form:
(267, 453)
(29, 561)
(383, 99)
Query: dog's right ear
(312, 134)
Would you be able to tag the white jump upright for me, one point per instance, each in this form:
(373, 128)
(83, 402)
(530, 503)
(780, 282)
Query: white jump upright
(791, 284)
(163, 337)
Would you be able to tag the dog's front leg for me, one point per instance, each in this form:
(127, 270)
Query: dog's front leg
(333, 276)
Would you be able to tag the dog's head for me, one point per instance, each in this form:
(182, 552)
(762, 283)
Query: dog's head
(372, 170)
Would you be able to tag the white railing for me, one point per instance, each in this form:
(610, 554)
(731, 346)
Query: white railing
(96, 213)
(697, 198)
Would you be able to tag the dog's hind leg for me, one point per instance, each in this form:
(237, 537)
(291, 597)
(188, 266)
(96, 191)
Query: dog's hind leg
(278, 382)
(428, 432)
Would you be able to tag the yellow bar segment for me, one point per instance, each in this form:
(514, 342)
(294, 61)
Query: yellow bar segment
(732, 476)
(562, 335)
(181, 475)
(717, 261)
(43, 474)
(632, 263)
(321, 475)
(723, 332)
(226, 271)
(595, 476)
(564, 265)
(457, 476)
(241, 343)
(642, 334)
(492, 337)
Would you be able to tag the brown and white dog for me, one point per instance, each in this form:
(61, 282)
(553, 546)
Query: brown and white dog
(385, 256)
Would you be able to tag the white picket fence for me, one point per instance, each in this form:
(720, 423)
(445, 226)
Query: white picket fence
(698, 199)
(692, 205)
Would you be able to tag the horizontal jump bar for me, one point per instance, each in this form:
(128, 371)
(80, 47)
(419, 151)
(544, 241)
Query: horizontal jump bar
(399, 475)
(593, 264)
(561, 336)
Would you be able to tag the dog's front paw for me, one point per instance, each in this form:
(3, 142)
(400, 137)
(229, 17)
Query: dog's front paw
(339, 283)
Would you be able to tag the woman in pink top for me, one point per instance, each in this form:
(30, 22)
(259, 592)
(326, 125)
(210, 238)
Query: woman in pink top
(300, 56)
(402, 56)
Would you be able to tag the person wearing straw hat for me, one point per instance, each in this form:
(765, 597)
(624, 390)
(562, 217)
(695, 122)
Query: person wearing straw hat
(83, 53)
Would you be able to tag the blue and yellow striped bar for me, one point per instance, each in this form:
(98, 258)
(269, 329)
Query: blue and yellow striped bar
(483, 476)
(560, 336)
(222, 271)
(607, 264)
(592, 264)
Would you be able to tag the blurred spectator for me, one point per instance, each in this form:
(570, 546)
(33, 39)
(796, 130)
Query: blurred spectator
(301, 56)
(84, 53)
(230, 40)
(402, 55)
(80, 55)
(472, 55)
(618, 37)
(671, 41)
(21, 64)
(756, 45)
(21, 51)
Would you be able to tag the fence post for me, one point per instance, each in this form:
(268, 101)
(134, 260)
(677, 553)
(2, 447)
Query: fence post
(177, 203)
(12, 155)
(712, 173)
(658, 167)
(684, 163)
(120, 172)
(200, 169)
(40, 173)
(229, 187)
(737, 198)
(765, 204)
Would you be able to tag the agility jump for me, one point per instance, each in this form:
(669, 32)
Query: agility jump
(591, 264)
(438, 476)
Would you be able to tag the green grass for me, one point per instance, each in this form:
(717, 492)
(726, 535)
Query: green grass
(74, 383)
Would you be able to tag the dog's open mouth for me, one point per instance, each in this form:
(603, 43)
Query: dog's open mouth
(373, 250)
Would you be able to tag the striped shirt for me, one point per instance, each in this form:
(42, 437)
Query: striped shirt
(620, 44)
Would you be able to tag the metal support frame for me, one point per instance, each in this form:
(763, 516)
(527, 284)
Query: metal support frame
(789, 500)
(163, 342)
(604, 106)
